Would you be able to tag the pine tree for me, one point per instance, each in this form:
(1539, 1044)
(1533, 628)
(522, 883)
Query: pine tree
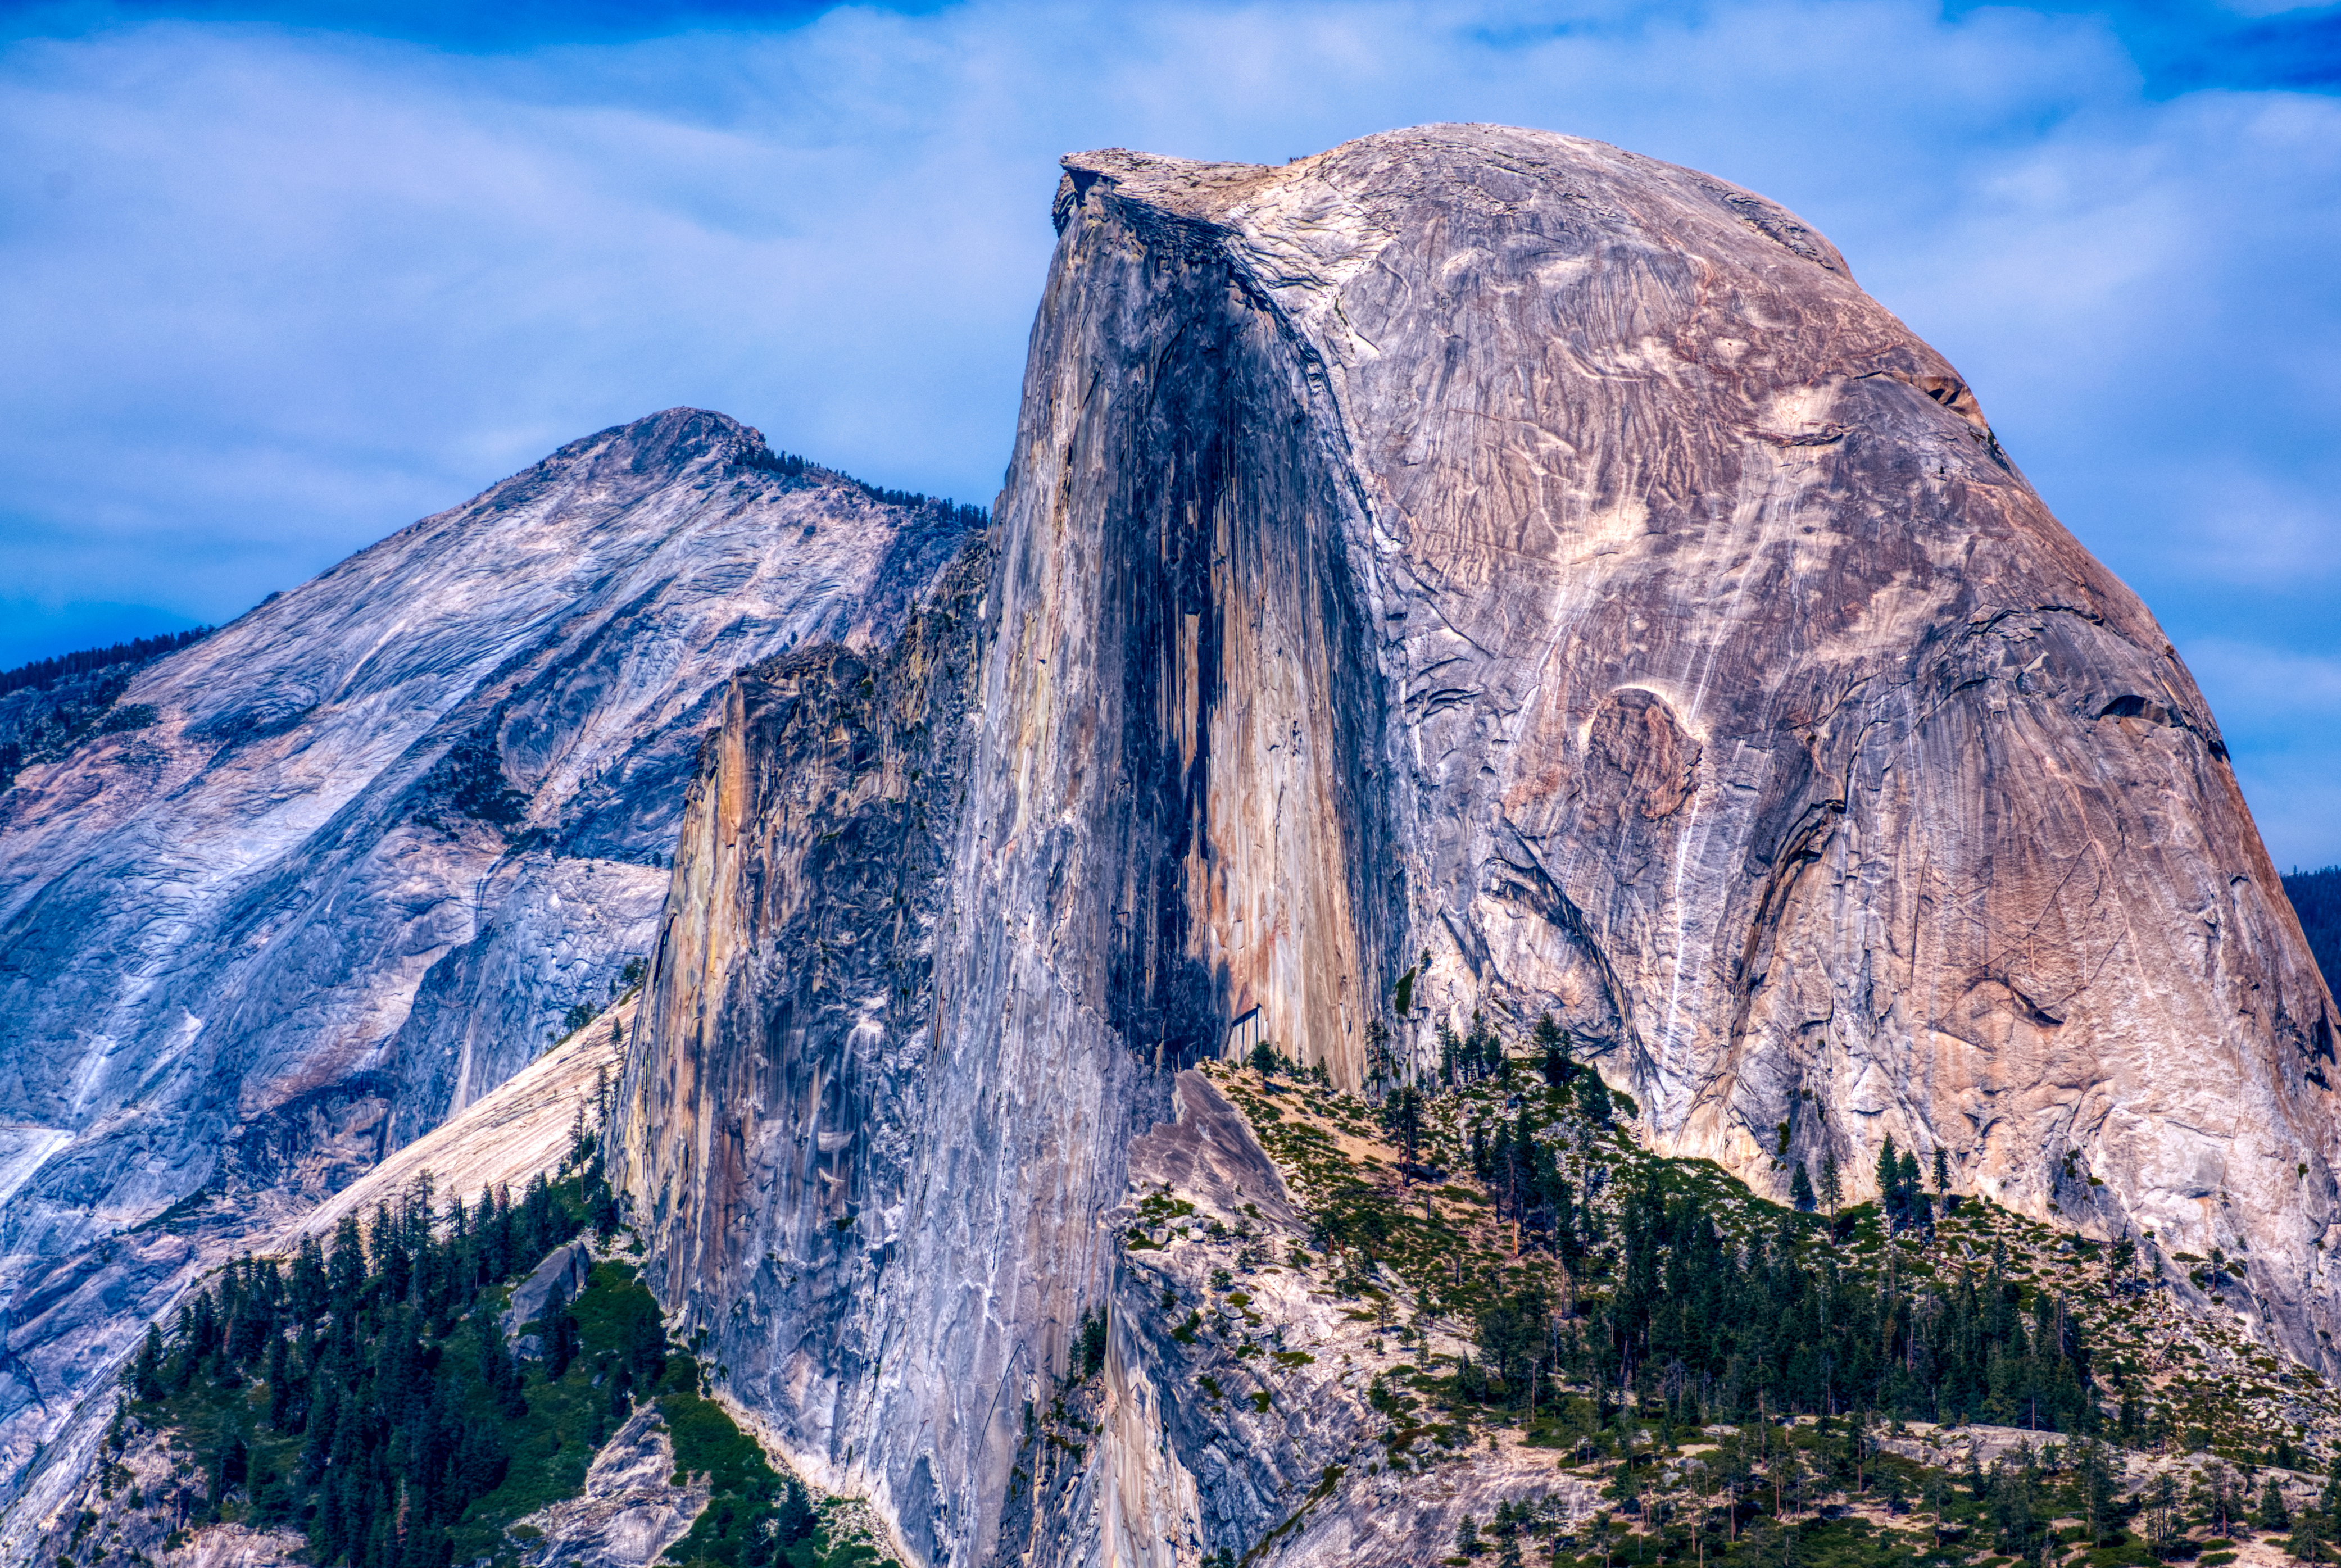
(1467, 1538)
(797, 1519)
(1832, 1182)
(309, 1289)
(1405, 1117)
(581, 1141)
(1912, 1198)
(1485, 1051)
(345, 1267)
(146, 1375)
(2097, 1487)
(2164, 1519)
(2307, 1543)
(1801, 1189)
(280, 1384)
(2273, 1514)
(1381, 1064)
(1942, 1170)
(1551, 1042)
(1094, 1343)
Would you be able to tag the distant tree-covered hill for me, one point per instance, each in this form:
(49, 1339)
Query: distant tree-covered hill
(2316, 896)
(49, 706)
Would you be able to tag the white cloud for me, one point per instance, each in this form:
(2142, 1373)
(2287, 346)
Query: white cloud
(2280, 710)
(2279, 692)
(301, 288)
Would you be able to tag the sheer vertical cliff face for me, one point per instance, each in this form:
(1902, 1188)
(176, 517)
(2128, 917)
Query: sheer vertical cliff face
(370, 845)
(1160, 810)
(1485, 554)
(772, 1119)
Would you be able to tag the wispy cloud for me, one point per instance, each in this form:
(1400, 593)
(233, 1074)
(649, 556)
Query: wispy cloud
(2280, 709)
(275, 291)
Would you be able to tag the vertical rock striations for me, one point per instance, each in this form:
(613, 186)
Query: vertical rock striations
(1492, 557)
(771, 1133)
(366, 848)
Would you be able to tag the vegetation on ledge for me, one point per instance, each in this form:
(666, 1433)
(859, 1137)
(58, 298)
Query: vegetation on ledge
(1531, 1218)
(1764, 1385)
(368, 1396)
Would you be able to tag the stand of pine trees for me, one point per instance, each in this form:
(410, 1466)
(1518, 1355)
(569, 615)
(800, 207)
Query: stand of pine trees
(364, 1393)
(1664, 1297)
(1773, 1327)
(1723, 1330)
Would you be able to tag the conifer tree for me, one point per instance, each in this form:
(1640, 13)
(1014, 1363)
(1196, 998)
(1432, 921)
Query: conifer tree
(146, 1375)
(2307, 1543)
(1467, 1538)
(1911, 1198)
(280, 1384)
(308, 1285)
(1405, 1116)
(2273, 1514)
(1551, 1042)
(2162, 1519)
(1382, 1064)
(797, 1519)
(1593, 1098)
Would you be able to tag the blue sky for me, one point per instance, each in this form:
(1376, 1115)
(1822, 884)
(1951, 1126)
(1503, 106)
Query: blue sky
(284, 278)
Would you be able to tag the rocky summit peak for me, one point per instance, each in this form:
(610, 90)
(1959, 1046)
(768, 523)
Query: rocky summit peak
(1381, 185)
(1466, 579)
(669, 440)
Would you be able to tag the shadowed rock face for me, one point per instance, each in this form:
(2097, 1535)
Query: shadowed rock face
(383, 833)
(1493, 555)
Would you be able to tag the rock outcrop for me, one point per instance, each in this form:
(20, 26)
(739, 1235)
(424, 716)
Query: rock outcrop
(367, 848)
(630, 1511)
(1471, 571)
(522, 1127)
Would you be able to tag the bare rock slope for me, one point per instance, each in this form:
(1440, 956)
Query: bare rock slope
(1490, 569)
(346, 864)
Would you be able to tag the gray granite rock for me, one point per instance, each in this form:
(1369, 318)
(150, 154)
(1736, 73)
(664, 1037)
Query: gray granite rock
(1472, 558)
(384, 833)
(630, 1510)
(563, 1270)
